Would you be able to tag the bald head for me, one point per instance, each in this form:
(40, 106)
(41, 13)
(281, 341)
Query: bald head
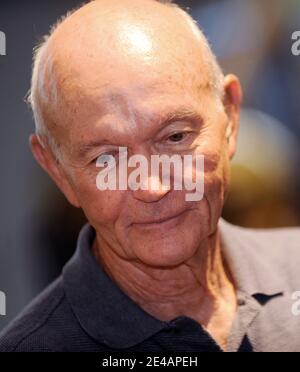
(110, 41)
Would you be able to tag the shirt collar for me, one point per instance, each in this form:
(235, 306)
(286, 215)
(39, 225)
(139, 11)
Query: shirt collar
(250, 261)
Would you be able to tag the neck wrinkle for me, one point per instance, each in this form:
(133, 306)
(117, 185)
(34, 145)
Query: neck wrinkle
(195, 288)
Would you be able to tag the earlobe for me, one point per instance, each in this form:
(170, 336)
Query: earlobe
(47, 161)
(232, 103)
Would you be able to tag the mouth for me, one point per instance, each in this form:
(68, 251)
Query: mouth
(167, 221)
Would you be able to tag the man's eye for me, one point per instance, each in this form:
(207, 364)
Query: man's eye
(177, 137)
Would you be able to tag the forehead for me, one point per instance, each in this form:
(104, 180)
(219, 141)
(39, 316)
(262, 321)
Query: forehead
(120, 84)
(131, 105)
(135, 71)
(128, 108)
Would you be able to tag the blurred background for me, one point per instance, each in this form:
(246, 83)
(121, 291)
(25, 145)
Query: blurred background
(251, 38)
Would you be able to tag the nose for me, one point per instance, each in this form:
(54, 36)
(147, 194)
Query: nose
(152, 191)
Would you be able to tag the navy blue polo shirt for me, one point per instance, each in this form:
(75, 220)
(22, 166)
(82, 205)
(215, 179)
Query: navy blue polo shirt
(85, 311)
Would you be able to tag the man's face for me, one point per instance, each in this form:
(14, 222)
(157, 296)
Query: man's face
(154, 103)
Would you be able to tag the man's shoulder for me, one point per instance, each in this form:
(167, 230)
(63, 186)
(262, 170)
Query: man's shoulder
(277, 248)
(31, 330)
(273, 241)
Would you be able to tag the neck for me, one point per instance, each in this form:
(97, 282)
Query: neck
(200, 288)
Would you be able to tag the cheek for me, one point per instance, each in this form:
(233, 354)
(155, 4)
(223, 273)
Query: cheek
(100, 207)
(216, 163)
(215, 190)
(216, 179)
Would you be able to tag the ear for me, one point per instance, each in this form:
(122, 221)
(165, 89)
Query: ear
(47, 161)
(232, 104)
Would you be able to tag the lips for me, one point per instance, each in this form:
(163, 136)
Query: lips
(159, 221)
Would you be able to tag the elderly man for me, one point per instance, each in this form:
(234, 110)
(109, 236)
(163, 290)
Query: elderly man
(152, 271)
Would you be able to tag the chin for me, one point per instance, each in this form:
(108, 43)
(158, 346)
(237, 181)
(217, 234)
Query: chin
(167, 244)
(167, 252)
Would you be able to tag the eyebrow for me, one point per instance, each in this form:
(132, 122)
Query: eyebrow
(164, 120)
(85, 148)
(180, 115)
